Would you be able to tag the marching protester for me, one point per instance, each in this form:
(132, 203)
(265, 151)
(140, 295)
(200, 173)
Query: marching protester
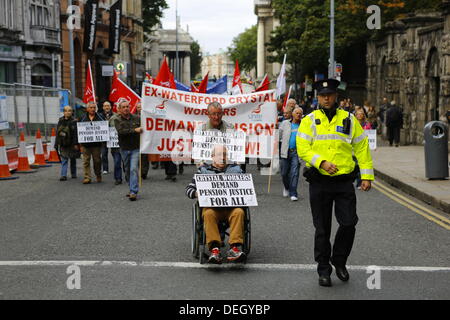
(382, 112)
(372, 117)
(361, 117)
(117, 157)
(212, 216)
(290, 162)
(67, 143)
(394, 122)
(107, 114)
(92, 149)
(128, 127)
(326, 141)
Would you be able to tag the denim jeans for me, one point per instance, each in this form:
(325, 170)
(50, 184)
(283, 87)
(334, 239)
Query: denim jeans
(131, 163)
(65, 164)
(105, 164)
(290, 170)
(117, 165)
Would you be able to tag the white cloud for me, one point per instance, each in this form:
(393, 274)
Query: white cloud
(213, 23)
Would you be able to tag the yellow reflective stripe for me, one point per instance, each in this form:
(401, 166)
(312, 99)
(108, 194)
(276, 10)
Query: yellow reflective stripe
(367, 172)
(359, 139)
(314, 159)
(305, 136)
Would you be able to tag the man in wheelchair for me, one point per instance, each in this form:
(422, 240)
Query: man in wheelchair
(212, 216)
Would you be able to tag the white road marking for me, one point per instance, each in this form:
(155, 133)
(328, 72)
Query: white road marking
(194, 265)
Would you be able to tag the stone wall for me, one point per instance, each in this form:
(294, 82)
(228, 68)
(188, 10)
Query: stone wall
(411, 65)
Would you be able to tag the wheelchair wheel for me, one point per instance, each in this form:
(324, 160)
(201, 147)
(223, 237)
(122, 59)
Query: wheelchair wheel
(247, 232)
(203, 256)
(194, 232)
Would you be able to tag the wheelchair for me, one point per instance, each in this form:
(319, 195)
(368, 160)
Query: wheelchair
(198, 236)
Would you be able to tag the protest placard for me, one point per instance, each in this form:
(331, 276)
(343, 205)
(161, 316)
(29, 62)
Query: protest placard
(113, 139)
(225, 190)
(204, 141)
(372, 135)
(95, 131)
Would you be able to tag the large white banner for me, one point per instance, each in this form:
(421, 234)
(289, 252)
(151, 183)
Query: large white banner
(169, 118)
(95, 131)
(225, 190)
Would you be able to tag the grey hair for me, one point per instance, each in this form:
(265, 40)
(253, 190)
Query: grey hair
(214, 104)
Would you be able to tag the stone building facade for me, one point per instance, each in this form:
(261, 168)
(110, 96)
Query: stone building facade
(30, 42)
(411, 65)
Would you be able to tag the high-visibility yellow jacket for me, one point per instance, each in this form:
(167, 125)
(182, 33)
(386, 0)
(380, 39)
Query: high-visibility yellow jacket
(319, 140)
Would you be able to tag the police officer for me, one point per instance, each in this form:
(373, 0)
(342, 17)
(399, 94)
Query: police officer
(326, 139)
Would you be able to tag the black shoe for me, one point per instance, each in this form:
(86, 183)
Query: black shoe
(168, 177)
(342, 273)
(174, 179)
(181, 170)
(144, 176)
(118, 182)
(63, 179)
(325, 281)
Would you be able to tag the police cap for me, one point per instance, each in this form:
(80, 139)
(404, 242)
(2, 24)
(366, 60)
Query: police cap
(326, 86)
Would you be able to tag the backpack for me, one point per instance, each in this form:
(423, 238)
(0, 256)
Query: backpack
(64, 136)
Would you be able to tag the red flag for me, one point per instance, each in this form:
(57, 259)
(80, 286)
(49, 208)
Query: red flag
(236, 88)
(264, 86)
(194, 88)
(165, 77)
(286, 97)
(120, 90)
(89, 92)
(148, 77)
(204, 85)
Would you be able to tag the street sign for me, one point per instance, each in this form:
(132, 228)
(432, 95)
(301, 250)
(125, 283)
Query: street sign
(121, 68)
(338, 68)
(107, 71)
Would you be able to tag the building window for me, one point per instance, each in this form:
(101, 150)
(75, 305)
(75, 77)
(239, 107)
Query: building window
(41, 13)
(8, 72)
(7, 14)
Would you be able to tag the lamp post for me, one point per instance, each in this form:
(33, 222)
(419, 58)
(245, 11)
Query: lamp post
(332, 63)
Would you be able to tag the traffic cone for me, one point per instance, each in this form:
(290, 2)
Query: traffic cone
(24, 165)
(39, 157)
(4, 167)
(54, 158)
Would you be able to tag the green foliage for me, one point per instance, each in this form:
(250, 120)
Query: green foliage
(152, 12)
(243, 49)
(196, 59)
(304, 31)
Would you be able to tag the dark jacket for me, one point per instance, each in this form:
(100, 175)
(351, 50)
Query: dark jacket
(209, 169)
(97, 117)
(67, 151)
(394, 116)
(128, 138)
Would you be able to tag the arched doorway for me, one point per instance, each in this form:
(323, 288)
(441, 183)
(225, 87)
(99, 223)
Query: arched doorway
(434, 86)
(41, 75)
(383, 74)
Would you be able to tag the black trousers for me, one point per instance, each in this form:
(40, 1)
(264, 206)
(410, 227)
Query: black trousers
(322, 196)
(393, 135)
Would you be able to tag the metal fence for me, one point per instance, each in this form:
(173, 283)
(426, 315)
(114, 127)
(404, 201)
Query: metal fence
(29, 108)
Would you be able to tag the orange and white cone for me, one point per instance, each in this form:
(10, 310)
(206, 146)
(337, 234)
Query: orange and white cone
(39, 157)
(54, 158)
(4, 167)
(24, 165)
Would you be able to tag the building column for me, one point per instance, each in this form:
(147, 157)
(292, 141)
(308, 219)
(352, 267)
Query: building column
(187, 70)
(261, 49)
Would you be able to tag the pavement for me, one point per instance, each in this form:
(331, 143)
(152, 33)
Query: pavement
(142, 250)
(404, 168)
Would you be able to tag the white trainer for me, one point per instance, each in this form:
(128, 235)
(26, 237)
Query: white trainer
(294, 198)
(285, 193)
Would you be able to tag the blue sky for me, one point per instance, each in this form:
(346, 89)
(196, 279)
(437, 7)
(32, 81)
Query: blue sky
(213, 23)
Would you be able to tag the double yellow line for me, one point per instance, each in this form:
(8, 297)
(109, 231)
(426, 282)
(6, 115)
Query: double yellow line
(417, 208)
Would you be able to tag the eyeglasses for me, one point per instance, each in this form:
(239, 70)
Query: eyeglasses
(216, 114)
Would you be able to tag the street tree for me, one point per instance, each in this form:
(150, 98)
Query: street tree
(196, 59)
(152, 12)
(243, 49)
